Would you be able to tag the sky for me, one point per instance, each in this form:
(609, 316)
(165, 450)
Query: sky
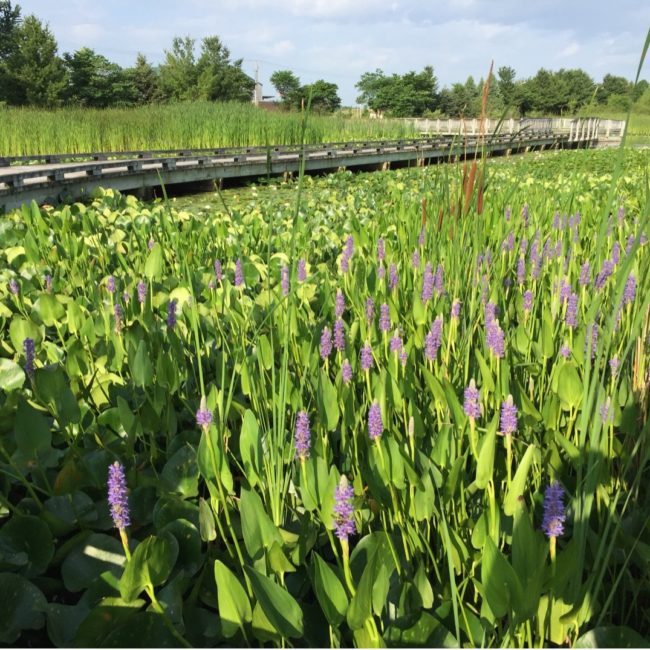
(339, 40)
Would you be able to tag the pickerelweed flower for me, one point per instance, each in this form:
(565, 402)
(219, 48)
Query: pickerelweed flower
(593, 328)
(422, 236)
(14, 287)
(585, 273)
(345, 263)
(629, 245)
(415, 259)
(395, 344)
(284, 280)
(110, 284)
(614, 364)
(528, 300)
(366, 357)
(571, 315)
(554, 514)
(30, 353)
(48, 283)
(556, 220)
(471, 401)
(239, 273)
(325, 343)
(438, 281)
(171, 313)
(427, 283)
(495, 339)
(349, 246)
(384, 318)
(381, 272)
(375, 424)
(524, 213)
(433, 339)
(393, 278)
(204, 415)
(302, 270)
(523, 246)
(346, 372)
(490, 312)
(151, 243)
(565, 351)
(118, 312)
(117, 496)
(339, 334)
(508, 417)
(370, 310)
(605, 411)
(302, 439)
(142, 292)
(616, 253)
(381, 251)
(455, 309)
(630, 290)
(521, 270)
(508, 243)
(344, 525)
(605, 271)
(565, 291)
(218, 271)
(126, 297)
(339, 305)
(507, 213)
(403, 357)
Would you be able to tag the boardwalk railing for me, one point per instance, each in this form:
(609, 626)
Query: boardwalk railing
(578, 129)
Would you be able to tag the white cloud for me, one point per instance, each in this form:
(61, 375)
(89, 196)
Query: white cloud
(568, 51)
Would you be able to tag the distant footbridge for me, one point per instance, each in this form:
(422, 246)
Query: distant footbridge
(58, 178)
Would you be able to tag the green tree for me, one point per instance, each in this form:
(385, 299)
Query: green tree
(219, 78)
(94, 81)
(38, 71)
(408, 95)
(287, 85)
(179, 73)
(144, 81)
(612, 85)
(9, 28)
(324, 96)
(506, 86)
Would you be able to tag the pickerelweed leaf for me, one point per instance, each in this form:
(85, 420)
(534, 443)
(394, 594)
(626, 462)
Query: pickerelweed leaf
(233, 603)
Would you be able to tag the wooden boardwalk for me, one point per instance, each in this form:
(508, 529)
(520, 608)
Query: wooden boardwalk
(64, 178)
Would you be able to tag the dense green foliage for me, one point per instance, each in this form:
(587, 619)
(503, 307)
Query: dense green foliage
(28, 131)
(122, 341)
(323, 95)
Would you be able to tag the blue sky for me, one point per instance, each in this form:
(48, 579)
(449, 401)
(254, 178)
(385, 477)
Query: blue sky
(338, 40)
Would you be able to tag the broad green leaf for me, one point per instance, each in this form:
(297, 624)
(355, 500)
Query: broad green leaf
(501, 586)
(153, 267)
(612, 636)
(206, 521)
(234, 606)
(50, 310)
(21, 329)
(12, 376)
(32, 431)
(569, 386)
(258, 530)
(141, 366)
(31, 536)
(53, 388)
(486, 373)
(329, 591)
(250, 447)
(485, 465)
(22, 607)
(109, 613)
(278, 604)
(360, 608)
(95, 555)
(518, 485)
(181, 473)
(328, 407)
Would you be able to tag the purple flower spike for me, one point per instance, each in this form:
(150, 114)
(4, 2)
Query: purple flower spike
(346, 372)
(427, 283)
(171, 313)
(521, 270)
(117, 496)
(415, 259)
(48, 283)
(142, 292)
(375, 424)
(554, 514)
(344, 525)
(422, 236)
(438, 281)
(284, 280)
(393, 278)
(302, 439)
(614, 364)
(384, 318)
(433, 339)
(605, 271)
(471, 404)
(349, 246)
(218, 271)
(366, 357)
(14, 287)
(585, 272)
(325, 343)
(381, 251)
(30, 353)
(565, 351)
(495, 339)
(203, 415)
(630, 290)
(616, 253)
(455, 309)
(528, 301)
(370, 310)
(571, 318)
(508, 417)
(339, 303)
(239, 274)
(339, 334)
(395, 344)
(302, 270)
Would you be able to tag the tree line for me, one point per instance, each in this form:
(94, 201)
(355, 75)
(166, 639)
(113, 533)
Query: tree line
(32, 73)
